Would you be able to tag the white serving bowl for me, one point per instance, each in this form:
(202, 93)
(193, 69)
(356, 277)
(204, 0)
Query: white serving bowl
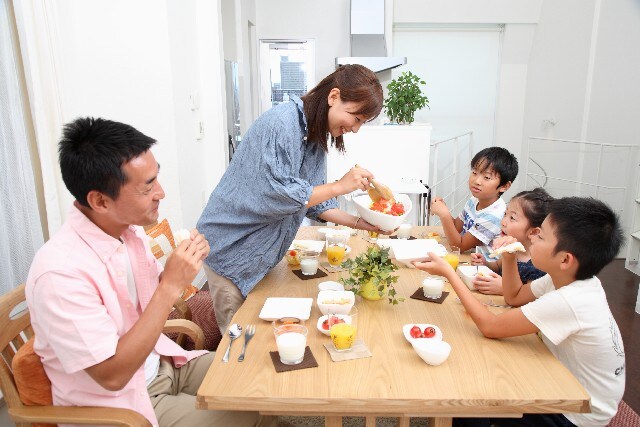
(381, 220)
(345, 317)
(326, 308)
(330, 285)
(468, 272)
(431, 351)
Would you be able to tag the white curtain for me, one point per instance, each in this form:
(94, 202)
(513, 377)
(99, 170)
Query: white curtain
(20, 228)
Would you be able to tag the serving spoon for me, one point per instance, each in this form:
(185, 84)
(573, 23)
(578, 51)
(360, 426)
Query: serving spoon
(379, 190)
(235, 331)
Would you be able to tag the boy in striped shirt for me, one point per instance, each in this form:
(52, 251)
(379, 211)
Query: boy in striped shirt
(492, 172)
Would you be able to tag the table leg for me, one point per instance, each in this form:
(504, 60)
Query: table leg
(405, 421)
(332, 421)
(370, 422)
(440, 422)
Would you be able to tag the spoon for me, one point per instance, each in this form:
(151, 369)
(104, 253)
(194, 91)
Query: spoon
(235, 331)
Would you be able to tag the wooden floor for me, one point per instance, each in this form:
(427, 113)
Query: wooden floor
(621, 287)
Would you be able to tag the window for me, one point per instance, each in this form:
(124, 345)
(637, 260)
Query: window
(286, 68)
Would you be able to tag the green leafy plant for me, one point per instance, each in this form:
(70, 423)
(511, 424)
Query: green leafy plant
(373, 265)
(404, 98)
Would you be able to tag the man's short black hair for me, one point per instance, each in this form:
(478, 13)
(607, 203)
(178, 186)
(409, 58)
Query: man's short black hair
(500, 160)
(588, 229)
(92, 152)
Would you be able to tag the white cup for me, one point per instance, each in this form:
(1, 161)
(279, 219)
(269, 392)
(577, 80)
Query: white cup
(432, 287)
(404, 232)
(291, 341)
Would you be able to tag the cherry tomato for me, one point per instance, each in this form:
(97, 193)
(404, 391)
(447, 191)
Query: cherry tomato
(415, 332)
(429, 332)
(292, 253)
(334, 321)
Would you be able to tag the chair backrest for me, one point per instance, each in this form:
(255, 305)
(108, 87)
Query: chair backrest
(15, 331)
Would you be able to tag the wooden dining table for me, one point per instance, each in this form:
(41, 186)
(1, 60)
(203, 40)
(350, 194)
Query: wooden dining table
(482, 377)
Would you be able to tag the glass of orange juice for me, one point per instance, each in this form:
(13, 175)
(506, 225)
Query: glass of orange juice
(453, 257)
(336, 248)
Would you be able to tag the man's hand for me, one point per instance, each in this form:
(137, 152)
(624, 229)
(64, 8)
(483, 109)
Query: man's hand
(439, 207)
(184, 263)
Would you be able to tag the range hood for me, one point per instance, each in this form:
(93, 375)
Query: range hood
(368, 42)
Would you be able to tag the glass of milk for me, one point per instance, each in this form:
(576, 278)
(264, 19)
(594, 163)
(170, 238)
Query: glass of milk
(404, 232)
(432, 286)
(309, 262)
(291, 340)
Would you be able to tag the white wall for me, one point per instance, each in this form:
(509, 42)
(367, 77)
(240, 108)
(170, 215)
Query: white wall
(138, 62)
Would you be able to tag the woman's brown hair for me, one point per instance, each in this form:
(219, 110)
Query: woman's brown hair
(356, 84)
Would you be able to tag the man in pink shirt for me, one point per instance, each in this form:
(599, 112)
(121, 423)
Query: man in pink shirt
(99, 299)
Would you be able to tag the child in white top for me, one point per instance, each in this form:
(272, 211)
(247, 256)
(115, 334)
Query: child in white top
(492, 172)
(568, 306)
(523, 219)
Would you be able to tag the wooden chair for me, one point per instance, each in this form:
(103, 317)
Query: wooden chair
(16, 330)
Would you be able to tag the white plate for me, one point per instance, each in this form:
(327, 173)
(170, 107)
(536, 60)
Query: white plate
(407, 251)
(276, 308)
(346, 318)
(313, 245)
(406, 328)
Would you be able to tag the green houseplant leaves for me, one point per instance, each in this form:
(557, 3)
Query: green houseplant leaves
(375, 265)
(404, 98)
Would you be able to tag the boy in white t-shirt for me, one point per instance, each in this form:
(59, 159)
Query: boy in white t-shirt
(492, 172)
(568, 306)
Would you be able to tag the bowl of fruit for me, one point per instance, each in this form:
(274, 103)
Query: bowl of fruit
(421, 331)
(384, 214)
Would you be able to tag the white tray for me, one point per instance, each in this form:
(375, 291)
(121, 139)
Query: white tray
(276, 308)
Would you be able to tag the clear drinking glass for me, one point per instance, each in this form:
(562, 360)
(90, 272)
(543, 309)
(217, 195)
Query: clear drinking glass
(291, 341)
(336, 248)
(343, 329)
(309, 262)
(453, 257)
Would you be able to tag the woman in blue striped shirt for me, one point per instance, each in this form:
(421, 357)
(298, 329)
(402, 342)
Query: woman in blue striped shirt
(277, 177)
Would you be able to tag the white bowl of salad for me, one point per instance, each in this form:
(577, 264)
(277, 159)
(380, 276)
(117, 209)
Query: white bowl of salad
(386, 216)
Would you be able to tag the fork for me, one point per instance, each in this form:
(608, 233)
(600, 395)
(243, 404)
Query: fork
(248, 334)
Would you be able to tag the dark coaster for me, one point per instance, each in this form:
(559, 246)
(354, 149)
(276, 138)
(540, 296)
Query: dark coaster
(419, 294)
(319, 274)
(410, 237)
(308, 362)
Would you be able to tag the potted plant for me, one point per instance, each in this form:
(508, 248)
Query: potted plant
(404, 98)
(370, 275)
